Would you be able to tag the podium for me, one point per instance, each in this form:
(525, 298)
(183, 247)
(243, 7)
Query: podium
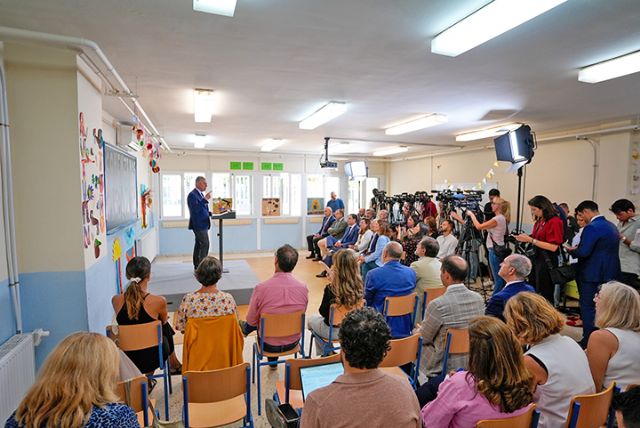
(229, 215)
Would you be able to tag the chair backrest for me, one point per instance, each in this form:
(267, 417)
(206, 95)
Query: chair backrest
(457, 342)
(402, 351)
(229, 383)
(212, 343)
(592, 410)
(134, 398)
(528, 419)
(400, 305)
(293, 366)
(338, 312)
(137, 336)
(282, 325)
(433, 293)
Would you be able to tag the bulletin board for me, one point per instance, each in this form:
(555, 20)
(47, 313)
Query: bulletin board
(120, 188)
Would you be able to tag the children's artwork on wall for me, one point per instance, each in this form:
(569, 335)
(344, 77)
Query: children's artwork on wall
(92, 191)
(129, 237)
(270, 207)
(221, 205)
(151, 148)
(145, 203)
(131, 253)
(315, 206)
(634, 170)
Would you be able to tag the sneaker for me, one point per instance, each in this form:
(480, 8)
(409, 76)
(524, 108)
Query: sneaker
(274, 416)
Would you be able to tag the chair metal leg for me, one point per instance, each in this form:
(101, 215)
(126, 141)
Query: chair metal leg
(166, 394)
(253, 365)
(258, 366)
(311, 345)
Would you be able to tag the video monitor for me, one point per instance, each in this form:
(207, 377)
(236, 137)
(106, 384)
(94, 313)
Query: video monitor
(355, 169)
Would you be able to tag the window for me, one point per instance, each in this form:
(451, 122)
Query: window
(315, 188)
(286, 187)
(331, 184)
(171, 195)
(353, 203)
(189, 185)
(242, 194)
(220, 185)
(296, 194)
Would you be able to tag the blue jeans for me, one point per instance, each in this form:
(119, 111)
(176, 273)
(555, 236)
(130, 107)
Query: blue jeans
(494, 265)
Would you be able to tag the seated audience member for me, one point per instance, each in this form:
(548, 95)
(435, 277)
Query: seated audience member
(390, 280)
(280, 294)
(559, 366)
(433, 227)
(138, 306)
(427, 269)
(364, 236)
(627, 408)
(345, 289)
(76, 388)
(371, 258)
(312, 240)
(364, 394)
(409, 237)
(208, 301)
(447, 241)
(454, 309)
(628, 225)
(335, 233)
(349, 238)
(613, 351)
(383, 215)
(514, 271)
(497, 384)
(361, 213)
(370, 214)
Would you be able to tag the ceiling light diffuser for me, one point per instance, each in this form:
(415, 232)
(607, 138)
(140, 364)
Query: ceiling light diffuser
(217, 7)
(488, 133)
(203, 105)
(610, 69)
(391, 151)
(483, 25)
(420, 123)
(271, 145)
(329, 111)
(200, 141)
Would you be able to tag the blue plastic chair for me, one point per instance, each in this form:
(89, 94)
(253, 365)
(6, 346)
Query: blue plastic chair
(592, 410)
(274, 326)
(143, 336)
(217, 397)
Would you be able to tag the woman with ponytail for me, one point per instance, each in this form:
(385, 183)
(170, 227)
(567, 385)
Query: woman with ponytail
(496, 386)
(138, 306)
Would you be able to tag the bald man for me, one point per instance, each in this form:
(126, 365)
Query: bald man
(392, 279)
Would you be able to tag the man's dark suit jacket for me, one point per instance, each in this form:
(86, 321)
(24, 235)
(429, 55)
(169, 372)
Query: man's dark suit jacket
(597, 253)
(198, 211)
(495, 306)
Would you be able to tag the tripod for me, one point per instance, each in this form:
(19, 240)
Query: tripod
(468, 248)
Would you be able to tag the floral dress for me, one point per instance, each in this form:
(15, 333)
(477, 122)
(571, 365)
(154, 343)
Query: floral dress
(202, 305)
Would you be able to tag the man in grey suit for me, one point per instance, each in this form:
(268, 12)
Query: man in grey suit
(335, 233)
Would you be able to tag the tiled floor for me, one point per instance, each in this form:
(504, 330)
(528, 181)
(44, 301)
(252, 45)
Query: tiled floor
(263, 266)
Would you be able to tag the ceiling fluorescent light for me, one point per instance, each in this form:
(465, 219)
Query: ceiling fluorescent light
(203, 105)
(487, 133)
(217, 7)
(391, 151)
(326, 113)
(420, 123)
(492, 20)
(610, 69)
(200, 141)
(271, 145)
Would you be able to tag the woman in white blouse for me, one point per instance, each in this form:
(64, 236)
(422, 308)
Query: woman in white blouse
(364, 238)
(614, 349)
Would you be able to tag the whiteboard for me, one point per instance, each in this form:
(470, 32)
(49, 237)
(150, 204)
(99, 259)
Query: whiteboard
(120, 187)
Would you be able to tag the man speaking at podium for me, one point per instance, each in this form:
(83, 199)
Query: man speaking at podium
(199, 220)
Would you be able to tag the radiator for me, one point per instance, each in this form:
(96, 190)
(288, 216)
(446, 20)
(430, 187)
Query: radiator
(17, 372)
(147, 246)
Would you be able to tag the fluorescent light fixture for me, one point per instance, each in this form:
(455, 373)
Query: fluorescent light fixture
(203, 105)
(134, 146)
(329, 111)
(391, 151)
(200, 141)
(271, 144)
(416, 124)
(488, 133)
(492, 20)
(610, 69)
(217, 7)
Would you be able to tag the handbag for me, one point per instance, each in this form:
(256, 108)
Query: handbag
(501, 251)
(563, 273)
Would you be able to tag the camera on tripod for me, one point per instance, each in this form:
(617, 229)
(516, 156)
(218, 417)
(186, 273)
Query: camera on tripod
(466, 200)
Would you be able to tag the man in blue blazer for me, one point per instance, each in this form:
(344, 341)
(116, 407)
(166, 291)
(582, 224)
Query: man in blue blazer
(199, 219)
(349, 238)
(598, 261)
(514, 269)
(392, 279)
(312, 240)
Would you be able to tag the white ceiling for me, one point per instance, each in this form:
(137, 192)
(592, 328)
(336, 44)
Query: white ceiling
(277, 61)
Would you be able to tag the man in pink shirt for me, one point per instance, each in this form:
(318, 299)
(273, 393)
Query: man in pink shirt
(280, 294)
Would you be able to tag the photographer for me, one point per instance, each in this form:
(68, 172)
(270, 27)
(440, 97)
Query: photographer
(546, 238)
(496, 230)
